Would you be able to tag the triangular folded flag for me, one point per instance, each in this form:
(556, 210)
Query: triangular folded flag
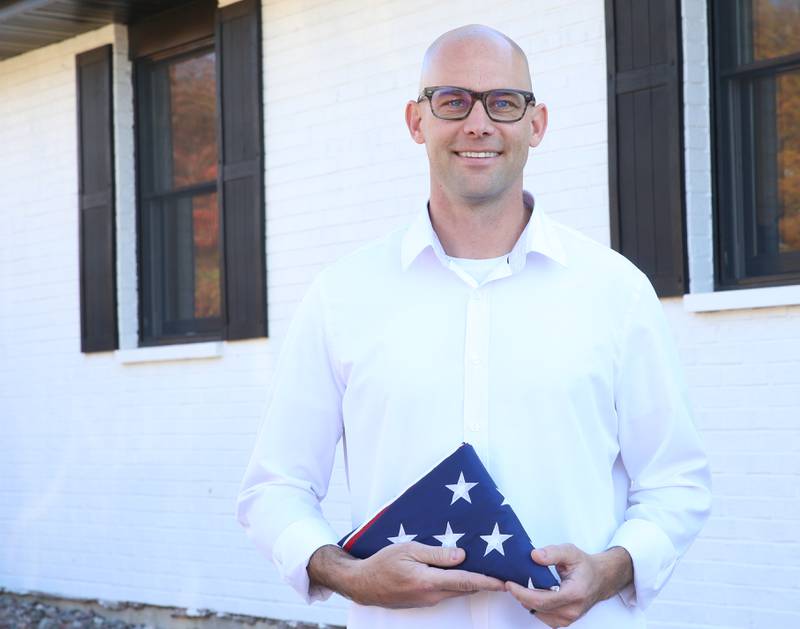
(457, 504)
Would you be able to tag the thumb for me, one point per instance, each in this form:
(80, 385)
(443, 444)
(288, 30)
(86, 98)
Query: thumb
(437, 555)
(556, 554)
(542, 555)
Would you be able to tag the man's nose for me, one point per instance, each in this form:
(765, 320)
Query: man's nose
(478, 121)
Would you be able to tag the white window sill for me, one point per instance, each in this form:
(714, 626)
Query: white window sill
(743, 299)
(183, 351)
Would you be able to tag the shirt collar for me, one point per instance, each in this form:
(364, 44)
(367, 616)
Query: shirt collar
(537, 237)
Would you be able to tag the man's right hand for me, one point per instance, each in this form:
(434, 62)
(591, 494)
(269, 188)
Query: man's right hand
(397, 576)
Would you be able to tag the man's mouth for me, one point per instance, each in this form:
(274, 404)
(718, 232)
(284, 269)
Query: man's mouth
(477, 154)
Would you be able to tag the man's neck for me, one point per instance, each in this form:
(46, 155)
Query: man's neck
(480, 230)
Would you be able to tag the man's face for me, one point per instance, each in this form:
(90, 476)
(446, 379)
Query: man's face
(453, 145)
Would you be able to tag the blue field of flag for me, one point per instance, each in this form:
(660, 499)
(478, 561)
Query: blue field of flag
(457, 504)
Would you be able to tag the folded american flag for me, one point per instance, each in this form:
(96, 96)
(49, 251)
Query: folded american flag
(457, 504)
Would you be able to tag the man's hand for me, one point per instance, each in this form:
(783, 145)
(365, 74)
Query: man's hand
(400, 575)
(585, 580)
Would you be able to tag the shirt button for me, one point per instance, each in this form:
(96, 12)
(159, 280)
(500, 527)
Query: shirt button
(476, 360)
(476, 295)
(474, 428)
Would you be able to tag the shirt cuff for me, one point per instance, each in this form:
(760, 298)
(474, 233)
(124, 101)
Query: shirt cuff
(294, 548)
(653, 558)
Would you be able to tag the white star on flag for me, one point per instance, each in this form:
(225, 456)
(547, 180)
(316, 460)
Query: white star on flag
(449, 538)
(461, 489)
(495, 541)
(402, 537)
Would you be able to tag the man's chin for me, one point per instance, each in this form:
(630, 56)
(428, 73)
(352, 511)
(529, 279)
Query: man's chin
(477, 190)
(481, 195)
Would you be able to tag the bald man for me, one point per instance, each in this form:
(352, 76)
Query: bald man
(484, 321)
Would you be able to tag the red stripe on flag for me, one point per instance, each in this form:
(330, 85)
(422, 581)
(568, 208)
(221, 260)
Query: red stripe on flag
(355, 537)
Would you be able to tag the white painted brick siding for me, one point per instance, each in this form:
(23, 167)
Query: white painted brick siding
(697, 145)
(119, 479)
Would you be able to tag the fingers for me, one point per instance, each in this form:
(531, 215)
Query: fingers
(436, 555)
(555, 609)
(557, 554)
(452, 580)
(540, 600)
(465, 582)
(416, 575)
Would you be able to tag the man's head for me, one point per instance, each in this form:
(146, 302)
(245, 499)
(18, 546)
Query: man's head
(475, 160)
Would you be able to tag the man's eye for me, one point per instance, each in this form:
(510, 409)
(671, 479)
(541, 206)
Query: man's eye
(504, 104)
(454, 102)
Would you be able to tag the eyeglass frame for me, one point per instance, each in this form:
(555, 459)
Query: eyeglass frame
(427, 92)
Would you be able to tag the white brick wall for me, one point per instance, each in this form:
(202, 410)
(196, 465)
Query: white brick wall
(744, 375)
(697, 146)
(118, 479)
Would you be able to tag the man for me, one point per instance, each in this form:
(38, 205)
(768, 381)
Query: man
(486, 322)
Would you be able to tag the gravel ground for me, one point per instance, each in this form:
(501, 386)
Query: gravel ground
(22, 613)
(31, 611)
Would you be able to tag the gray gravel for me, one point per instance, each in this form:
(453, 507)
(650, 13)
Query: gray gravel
(22, 613)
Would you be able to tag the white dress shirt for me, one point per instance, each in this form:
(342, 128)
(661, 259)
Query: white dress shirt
(558, 368)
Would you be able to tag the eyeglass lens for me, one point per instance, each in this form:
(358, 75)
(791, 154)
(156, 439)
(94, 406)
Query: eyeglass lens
(453, 103)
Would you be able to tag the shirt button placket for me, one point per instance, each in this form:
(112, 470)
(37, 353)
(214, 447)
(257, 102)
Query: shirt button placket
(476, 408)
(476, 375)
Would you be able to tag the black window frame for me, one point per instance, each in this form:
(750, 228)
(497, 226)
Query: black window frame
(731, 152)
(195, 330)
(235, 32)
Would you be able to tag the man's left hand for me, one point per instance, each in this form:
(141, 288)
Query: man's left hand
(585, 580)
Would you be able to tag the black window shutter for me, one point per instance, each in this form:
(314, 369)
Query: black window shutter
(97, 241)
(645, 138)
(241, 168)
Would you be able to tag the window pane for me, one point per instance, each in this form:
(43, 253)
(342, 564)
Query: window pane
(178, 139)
(776, 28)
(206, 246)
(193, 107)
(789, 160)
(191, 258)
(758, 141)
(776, 171)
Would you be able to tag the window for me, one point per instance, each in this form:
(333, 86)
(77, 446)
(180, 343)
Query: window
(181, 278)
(200, 173)
(757, 141)
(200, 178)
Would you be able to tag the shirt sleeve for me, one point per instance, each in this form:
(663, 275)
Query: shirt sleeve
(669, 498)
(290, 468)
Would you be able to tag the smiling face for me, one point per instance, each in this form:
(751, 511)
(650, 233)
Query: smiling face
(475, 160)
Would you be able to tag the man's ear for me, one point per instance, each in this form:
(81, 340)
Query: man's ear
(414, 122)
(538, 124)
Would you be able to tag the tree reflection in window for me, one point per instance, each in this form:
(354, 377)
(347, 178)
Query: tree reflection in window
(178, 146)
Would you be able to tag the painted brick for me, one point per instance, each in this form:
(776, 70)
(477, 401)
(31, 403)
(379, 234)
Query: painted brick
(119, 479)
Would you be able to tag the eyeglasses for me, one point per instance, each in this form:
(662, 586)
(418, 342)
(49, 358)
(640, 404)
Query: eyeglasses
(456, 103)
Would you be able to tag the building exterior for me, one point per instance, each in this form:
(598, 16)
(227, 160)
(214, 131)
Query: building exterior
(173, 176)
